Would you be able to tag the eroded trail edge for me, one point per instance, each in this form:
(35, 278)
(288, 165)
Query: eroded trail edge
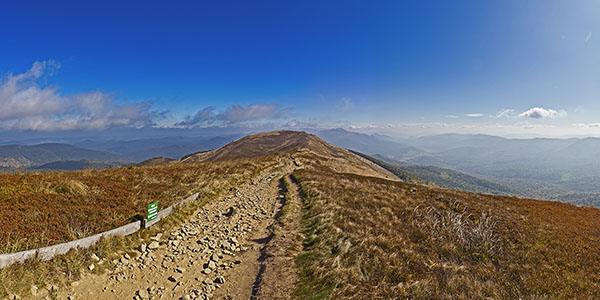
(278, 276)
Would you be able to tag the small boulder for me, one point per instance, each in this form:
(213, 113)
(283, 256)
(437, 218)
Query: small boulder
(212, 265)
(143, 294)
(156, 237)
(153, 245)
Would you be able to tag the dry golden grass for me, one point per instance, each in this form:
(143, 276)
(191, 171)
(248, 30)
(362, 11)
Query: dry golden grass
(369, 238)
(125, 189)
(49, 208)
(64, 269)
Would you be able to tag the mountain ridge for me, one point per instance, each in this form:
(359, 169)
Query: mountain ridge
(301, 145)
(24, 156)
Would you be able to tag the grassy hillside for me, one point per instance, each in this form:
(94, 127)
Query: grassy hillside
(367, 235)
(41, 209)
(369, 238)
(304, 145)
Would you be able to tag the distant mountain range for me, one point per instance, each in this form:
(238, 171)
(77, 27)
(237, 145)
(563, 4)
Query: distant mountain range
(71, 165)
(440, 177)
(171, 147)
(19, 156)
(554, 169)
(369, 144)
(104, 153)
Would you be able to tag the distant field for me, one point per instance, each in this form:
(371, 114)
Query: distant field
(368, 238)
(43, 209)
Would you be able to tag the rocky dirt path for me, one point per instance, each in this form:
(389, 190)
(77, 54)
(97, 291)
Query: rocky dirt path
(278, 276)
(219, 253)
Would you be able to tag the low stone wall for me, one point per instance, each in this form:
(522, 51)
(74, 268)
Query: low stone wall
(50, 252)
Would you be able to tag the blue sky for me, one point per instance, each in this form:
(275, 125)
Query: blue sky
(513, 68)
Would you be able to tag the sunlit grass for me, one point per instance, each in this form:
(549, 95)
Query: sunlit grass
(94, 201)
(369, 238)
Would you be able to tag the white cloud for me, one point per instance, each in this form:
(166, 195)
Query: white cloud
(234, 115)
(20, 96)
(474, 115)
(299, 124)
(238, 113)
(26, 105)
(505, 113)
(451, 116)
(542, 113)
(203, 117)
(588, 37)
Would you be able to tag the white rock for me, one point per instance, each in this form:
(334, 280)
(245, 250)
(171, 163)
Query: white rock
(34, 290)
(212, 265)
(143, 294)
(153, 245)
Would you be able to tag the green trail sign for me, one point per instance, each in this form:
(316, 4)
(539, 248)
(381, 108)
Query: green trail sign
(152, 211)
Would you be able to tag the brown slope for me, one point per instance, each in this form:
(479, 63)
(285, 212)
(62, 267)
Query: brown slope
(368, 238)
(156, 161)
(305, 148)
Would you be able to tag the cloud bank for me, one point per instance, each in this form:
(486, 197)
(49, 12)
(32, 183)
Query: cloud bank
(27, 105)
(542, 113)
(235, 114)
